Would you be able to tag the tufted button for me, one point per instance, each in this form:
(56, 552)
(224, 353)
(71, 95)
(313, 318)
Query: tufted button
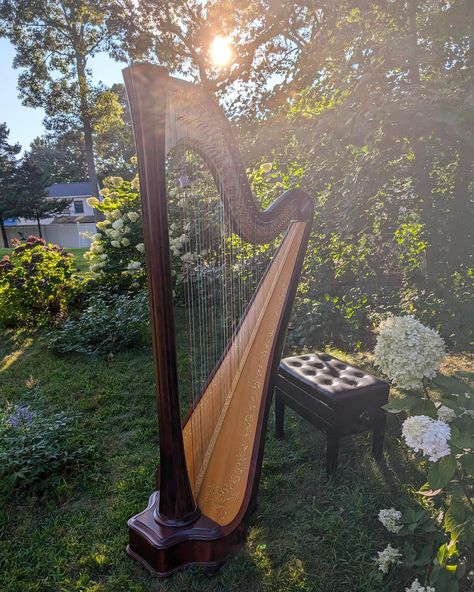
(349, 381)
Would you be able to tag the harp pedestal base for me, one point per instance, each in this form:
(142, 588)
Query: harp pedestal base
(163, 550)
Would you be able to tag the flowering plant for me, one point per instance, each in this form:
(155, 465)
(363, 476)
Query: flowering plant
(116, 254)
(407, 351)
(441, 433)
(38, 449)
(37, 282)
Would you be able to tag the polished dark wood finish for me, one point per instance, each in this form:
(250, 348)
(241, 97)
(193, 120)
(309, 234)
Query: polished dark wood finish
(146, 88)
(171, 532)
(350, 409)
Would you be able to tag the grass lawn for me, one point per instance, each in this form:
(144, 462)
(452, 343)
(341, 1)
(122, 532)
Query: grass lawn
(309, 533)
(80, 263)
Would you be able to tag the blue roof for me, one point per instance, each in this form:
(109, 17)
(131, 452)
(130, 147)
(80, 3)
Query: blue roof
(80, 189)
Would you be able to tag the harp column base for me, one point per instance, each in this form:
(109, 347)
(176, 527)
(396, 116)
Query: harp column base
(164, 550)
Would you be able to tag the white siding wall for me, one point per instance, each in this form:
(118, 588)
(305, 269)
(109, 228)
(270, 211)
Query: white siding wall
(64, 235)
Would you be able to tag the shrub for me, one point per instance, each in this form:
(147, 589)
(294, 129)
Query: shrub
(38, 449)
(36, 282)
(116, 256)
(440, 432)
(111, 323)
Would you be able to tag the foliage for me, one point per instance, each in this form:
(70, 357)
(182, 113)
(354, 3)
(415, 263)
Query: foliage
(110, 323)
(37, 283)
(441, 433)
(54, 41)
(116, 255)
(8, 181)
(39, 449)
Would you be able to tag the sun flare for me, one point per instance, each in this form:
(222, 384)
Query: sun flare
(221, 51)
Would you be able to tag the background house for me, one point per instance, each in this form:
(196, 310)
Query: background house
(64, 230)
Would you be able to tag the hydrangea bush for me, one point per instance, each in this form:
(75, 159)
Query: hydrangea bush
(440, 432)
(116, 255)
(37, 282)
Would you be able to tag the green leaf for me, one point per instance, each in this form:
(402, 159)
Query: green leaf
(467, 462)
(454, 518)
(424, 407)
(399, 404)
(462, 438)
(441, 472)
(442, 555)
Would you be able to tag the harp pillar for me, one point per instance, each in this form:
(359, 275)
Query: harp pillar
(176, 505)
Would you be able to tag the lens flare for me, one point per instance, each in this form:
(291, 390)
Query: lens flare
(221, 51)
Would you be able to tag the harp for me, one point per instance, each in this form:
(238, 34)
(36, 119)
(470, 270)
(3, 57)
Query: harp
(227, 271)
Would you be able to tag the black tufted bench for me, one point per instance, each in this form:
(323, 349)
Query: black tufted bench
(334, 396)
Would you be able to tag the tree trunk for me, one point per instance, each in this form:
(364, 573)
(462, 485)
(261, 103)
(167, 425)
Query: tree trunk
(38, 222)
(4, 233)
(86, 122)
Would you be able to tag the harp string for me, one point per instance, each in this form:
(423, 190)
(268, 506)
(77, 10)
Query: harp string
(219, 271)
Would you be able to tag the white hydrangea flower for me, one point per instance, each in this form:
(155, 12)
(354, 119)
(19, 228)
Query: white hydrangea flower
(135, 184)
(125, 242)
(387, 557)
(104, 256)
(390, 519)
(417, 587)
(133, 216)
(134, 265)
(187, 258)
(118, 224)
(446, 414)
(104, 192)
(140, 247)
(126, 229)
(115, 214)
(407, 351)
(115, 244)
(92, 201)
(115, 181)
(428, 435)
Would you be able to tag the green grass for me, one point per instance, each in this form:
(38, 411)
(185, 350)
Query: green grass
(308, 533)
(80, 263)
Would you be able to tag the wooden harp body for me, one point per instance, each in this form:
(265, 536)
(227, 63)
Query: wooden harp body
(238, 288)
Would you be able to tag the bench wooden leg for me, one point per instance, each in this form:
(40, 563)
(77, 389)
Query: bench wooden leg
(378, 438)
(332, 452)
(279, 416)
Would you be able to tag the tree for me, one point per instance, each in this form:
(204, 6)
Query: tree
(54, 40)
(60, 157)
(33, 199)
(8, 179)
